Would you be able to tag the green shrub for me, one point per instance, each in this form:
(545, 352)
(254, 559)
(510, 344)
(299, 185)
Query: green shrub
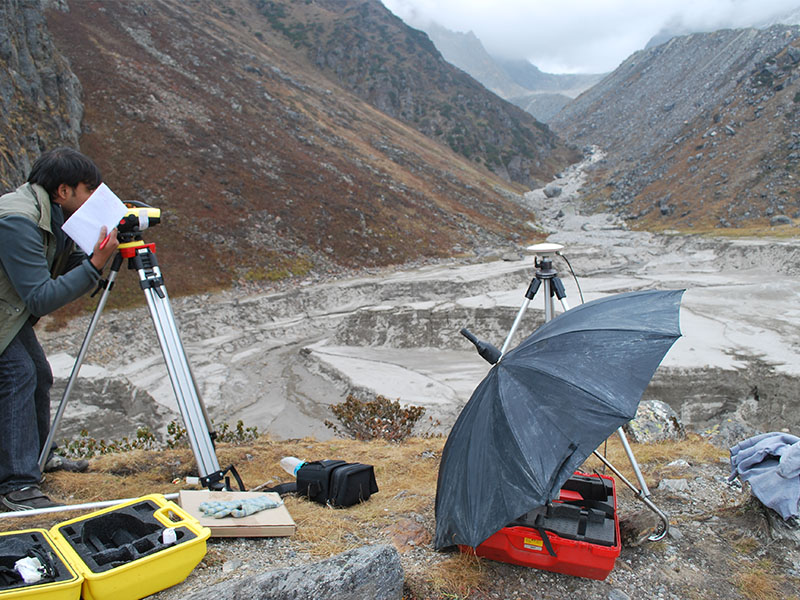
(176, 434)
(87, 447)
(379, 418)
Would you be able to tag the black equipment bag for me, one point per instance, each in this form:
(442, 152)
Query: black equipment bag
(336, 482)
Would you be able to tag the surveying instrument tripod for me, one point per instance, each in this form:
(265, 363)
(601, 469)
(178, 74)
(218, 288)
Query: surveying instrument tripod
(141, 258)
(546, 277)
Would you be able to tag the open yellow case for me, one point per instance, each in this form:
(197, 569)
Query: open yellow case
(124, 552)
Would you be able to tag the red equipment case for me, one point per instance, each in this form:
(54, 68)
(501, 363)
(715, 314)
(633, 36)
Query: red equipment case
(578, 534)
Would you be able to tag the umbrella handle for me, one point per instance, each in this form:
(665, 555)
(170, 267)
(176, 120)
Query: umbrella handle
(487, 351)
(663, 527)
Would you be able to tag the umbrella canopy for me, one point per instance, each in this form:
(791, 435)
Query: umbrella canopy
(545, 407)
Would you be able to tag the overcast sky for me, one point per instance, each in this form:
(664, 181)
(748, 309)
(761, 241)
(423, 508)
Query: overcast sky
(582, 36)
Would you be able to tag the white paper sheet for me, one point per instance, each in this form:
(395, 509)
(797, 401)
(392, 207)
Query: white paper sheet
(101, 208)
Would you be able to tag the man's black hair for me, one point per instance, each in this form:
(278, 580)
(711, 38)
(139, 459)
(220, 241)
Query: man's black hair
(64, 165)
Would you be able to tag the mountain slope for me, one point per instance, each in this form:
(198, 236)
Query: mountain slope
(397, 69)
(699, 131)
(263, 166)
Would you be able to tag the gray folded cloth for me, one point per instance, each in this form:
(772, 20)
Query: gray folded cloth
(238, 508)
(770, 462)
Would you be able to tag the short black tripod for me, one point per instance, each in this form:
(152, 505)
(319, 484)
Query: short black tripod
(141, 257)
(545, 275)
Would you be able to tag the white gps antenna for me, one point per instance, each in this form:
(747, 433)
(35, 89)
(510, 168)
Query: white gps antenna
(544, 249)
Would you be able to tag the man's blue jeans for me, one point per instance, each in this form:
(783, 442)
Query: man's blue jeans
(25, 381)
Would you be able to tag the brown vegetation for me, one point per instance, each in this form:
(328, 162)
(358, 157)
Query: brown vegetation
(406, 473)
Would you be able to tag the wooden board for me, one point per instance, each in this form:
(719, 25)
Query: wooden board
(272, 522)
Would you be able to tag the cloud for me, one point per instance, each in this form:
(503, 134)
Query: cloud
(589, 36)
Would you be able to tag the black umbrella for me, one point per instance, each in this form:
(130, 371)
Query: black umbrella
(545, 407)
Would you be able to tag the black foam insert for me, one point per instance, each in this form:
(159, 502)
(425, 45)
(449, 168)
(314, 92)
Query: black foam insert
(121, 536)
(15, 546)
(588, 520)
(590, 488)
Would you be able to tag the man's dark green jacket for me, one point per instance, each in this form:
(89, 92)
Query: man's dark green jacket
(41, 269)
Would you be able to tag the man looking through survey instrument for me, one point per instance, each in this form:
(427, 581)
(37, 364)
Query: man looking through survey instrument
(42, 270)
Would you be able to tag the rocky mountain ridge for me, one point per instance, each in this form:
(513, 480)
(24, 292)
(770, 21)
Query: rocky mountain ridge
(41, 105)
(699, 131)
(518, 81)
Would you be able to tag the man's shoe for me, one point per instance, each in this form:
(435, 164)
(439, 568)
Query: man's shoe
(28, 498)
(60, 463)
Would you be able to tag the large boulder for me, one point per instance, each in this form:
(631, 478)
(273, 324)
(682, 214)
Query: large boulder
(655, 421)
(552, 190)
(371, 572)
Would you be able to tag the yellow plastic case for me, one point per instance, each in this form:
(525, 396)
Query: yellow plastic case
(67, 583)
(121, 552)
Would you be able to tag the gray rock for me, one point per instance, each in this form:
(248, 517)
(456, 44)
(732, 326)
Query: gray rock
(728, 433)
(780, 220)
(788, 530)
(674, 486)
(674, 533)
(552, 190)
(371, 572)
(655, 422)
(636, 526)
(231, 565)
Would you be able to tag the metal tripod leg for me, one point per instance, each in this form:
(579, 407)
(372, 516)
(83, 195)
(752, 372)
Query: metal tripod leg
(183, 383)
(635, 465)
(115, 265)
(553, 287)
(664, 526)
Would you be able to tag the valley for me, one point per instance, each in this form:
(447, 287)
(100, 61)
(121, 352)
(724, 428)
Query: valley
(278, 359)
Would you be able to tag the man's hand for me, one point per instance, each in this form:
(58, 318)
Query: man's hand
(105, 247)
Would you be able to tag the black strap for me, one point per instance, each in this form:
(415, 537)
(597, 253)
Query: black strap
(595, 504)
(538, 525)
(546, 540)
(284, 488)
